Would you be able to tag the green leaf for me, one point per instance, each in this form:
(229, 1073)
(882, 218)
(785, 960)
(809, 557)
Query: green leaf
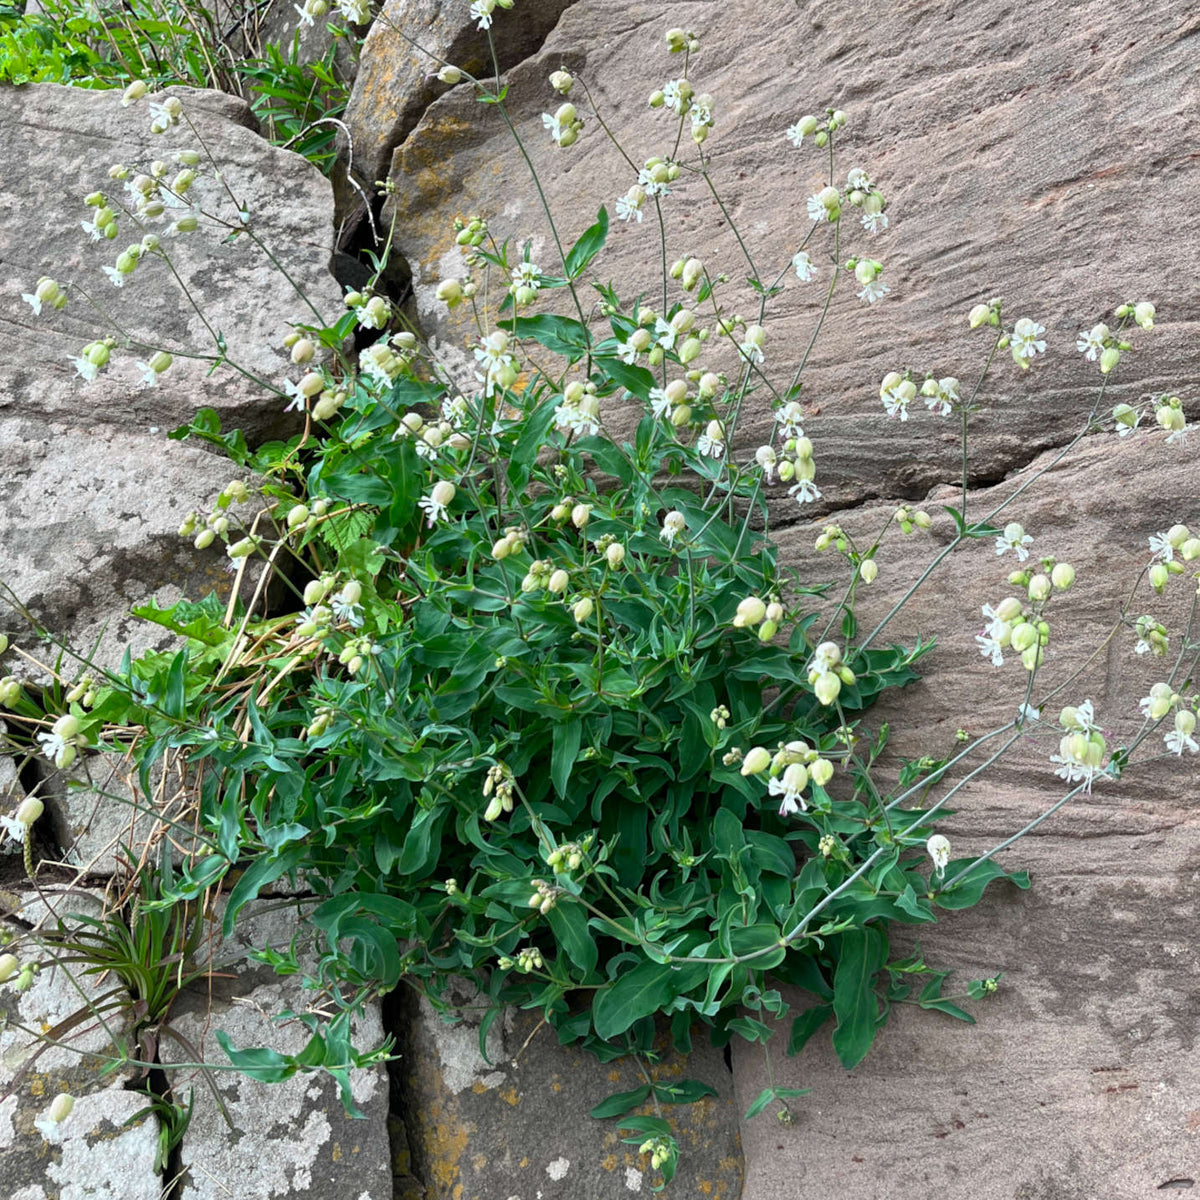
(590, 243)
(636, 380)
(621, 1103)
(760, 1102)
(805, 1024)
(568, 922)
(686, 1091)
(560, 335)
(861, 954)
(970, 888)
(565, 740)
(638, 993)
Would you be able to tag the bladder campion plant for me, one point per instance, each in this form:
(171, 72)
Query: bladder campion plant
(550, 712)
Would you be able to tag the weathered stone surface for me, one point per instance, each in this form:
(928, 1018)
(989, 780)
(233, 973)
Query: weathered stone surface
(11, 795)
(90, 526)
(101, 812)
(406, 47)
(1079, 1079)
(1042, 156)
(516, 1125)
(97, 1154)
(291, 1138)
(57, 144)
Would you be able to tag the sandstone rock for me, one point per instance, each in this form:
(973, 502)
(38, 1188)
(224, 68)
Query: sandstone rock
(57, 144)
(1014, 148)
(396, 80)
(516, 1124)
(90, 527)
(1078, 1080)
(291, 1138)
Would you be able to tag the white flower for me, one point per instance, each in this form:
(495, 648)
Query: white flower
(352, 613)
(793, 801)
(790, 417)
(1161, 548)
(990, 648)
(664, 334)
(1178, 435)
(660, 405)
(574, 418)
(702, 112)
(1026, 712)
(805, 271)
(434, 511)
(674, 523)
(672, 98)
(89, 227)
(873, 222)
(627, 352)
(766, 458)
(875, 290)
(33, 301)
(1014, 538)
(1177, 741)
(629, 208)
(938, 849)
(455, 410)
(711, 447)
(816, 209)
(1124, 430)
(1091, 341)
(1026, 338)
(297, 401)
(357, 12)
(150, 375)
(896, 401)
(306, 18)
(795, 135)
(942, 395)
(118, 280)
(551, 122)
(86, 369)
(54, 746)
(528, 275)
(751, 351)
(14, 829)
(647, 183)
(1085, 717)
(481, 11)
(804, 490)
(858, 180)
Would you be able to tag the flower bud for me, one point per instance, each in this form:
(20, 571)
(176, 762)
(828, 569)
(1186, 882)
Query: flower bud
(1063, 576)
(30, 810)
(561, 82)
(615, 554)
(135, 91)
(302, 351)
(583, 609)
(1185, 722)
(1143, 314)
(241, 549)
(580, 515)
(749, 612)
(558, 582)
(1039, 588)
(61, 1106)
(1109, 357)
(821, 772)
(827, 688)
(1159, 576)
(449, 74)
(8, 967)
(1023, 636)
(693, 272)
(690, 350)
(869, 571)
(756, 761)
